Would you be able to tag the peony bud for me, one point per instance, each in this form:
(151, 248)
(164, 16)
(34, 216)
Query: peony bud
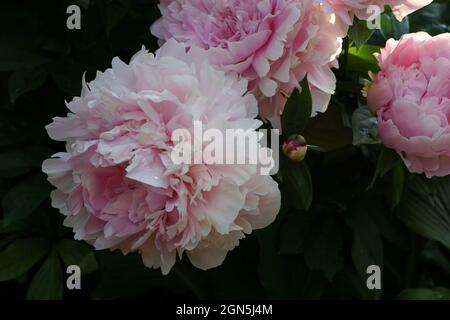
(295, 147)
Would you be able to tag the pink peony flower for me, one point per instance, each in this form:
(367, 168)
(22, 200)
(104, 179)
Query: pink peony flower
(346, 9)
(272, 43)
(411, 96)
(117, 183)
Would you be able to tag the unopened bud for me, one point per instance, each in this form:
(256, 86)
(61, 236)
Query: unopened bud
(295, 147)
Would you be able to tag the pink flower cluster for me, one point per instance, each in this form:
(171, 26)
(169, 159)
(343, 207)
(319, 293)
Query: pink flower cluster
(411, 96)
(272, 43)
(222, 63)
(117, 183)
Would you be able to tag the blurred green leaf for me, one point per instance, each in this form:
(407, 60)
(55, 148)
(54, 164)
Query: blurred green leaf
(390, 227)
(25, 80)
(327, 130)
(359, 32)
(322, 249)
(21, 160)
(112, 12)
(298, 180)
(9, 238)
(425, 294)
(392, 28)
(400, 27)
(47, 283)
(428, 212)
(68, 76)
(20, 256)
(398, 181)
(293, 232)
(25, 197)
(433, 253)
(297, 111)
(348, 285)
(386, 26)
(77, 253)
(362, 60)
(19, 59)
(318, 236)
(387, 160)
(434, 18)
(285, 276)
(367, 247)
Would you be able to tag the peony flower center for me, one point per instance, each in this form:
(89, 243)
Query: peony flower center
(232, 21)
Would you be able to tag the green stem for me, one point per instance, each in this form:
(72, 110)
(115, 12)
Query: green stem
(315, 148)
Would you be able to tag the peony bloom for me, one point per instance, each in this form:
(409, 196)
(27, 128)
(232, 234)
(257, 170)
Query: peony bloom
(117, 183)
(346, 9)
(411, 96)
(271, 43)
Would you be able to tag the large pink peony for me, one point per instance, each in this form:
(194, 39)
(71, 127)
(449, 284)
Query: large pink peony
(347, 9)
(272, 43)
(118, 184)
(411, 96)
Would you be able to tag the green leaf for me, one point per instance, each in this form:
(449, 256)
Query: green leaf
(298, 180)
(47, 283)
(297, 111)
(386, 26)
(25, 80)
(359, 32)
(362, 60)
(322, 249)
(25, 197)
(425, 294)
(387, 160)
(365, 127)
(15, 59)
(112, 12)
(68, 77)
(433, 253)
(428, 212)
(317, 234)
(20, 256)
(398, 181)
(7, 239)
(19, 161)
(350, 286)
(76, 253)
(391, 228)
(400, 27)
(285, 276)
(327, 130)
(367, 247)
(433, 19)
(392, 28)
(293, 232)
